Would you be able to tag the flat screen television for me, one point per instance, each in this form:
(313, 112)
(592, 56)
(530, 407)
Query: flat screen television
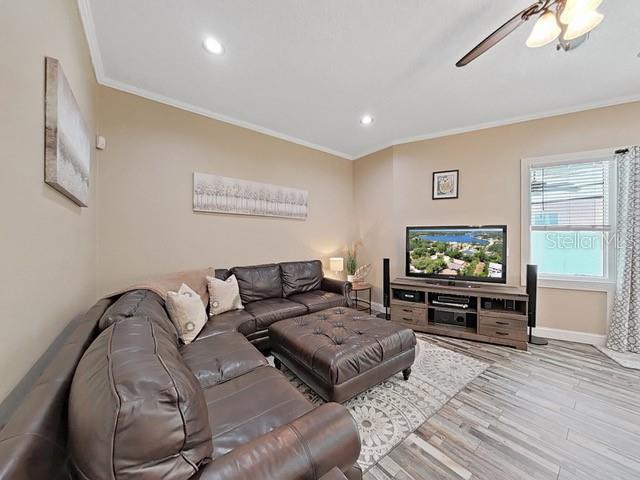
(472, 253)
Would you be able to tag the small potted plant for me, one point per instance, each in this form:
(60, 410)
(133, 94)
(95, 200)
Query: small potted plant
(352, 260)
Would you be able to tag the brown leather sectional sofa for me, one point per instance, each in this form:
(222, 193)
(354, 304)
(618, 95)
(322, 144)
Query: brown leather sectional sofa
(275, 292)
(143, 406)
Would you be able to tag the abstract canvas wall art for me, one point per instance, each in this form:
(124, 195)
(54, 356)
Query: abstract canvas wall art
(216, 194)
(67, 141)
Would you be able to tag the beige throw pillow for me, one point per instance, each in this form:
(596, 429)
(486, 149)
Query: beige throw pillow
(224, 295)
(187, 312)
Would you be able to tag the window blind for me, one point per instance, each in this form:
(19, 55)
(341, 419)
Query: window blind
(570, 197)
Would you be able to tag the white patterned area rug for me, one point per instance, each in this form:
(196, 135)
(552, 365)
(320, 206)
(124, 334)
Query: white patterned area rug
(388, 413)
(626, 360)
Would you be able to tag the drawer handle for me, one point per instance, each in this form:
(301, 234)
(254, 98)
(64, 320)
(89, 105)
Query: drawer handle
(408, 319)
(407, 310)
(502, 333)
(502, 323)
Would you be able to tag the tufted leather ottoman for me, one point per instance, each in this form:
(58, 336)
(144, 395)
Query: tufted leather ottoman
(341, 352)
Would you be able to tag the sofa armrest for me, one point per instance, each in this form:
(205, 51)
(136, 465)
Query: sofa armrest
(337, 286)
(308, 447)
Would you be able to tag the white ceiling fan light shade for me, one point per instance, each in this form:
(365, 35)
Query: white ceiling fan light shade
(576, 7)
(545, 31)
(583, 24)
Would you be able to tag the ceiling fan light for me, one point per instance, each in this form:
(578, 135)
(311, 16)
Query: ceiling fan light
(545, 31)
(577, 7)
(583, 24)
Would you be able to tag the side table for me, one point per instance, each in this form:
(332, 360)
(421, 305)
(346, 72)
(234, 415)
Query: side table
(362, 305)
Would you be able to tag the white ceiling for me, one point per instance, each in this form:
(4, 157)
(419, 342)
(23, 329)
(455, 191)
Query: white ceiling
(307, 70)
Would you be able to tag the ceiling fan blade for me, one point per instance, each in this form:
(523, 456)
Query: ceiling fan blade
(499, 34)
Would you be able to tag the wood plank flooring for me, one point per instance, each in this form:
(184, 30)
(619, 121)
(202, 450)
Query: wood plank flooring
(560, 412)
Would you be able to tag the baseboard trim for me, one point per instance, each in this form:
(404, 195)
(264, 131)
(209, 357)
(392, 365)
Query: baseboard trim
(378, 307)
(570, 336)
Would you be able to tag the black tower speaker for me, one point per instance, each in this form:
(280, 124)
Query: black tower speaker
(532, 291)
(386, 280)
(386, 290)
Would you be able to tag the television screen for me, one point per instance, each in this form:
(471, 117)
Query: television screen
(458, 253)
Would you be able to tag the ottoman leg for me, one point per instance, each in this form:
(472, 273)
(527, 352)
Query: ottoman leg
(406, 372)
(277, 363)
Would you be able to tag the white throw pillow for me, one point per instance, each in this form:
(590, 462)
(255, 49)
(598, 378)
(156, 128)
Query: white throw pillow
(224, 295)
(187, 312)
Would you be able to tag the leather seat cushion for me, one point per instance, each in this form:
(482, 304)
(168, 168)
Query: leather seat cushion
(274, 309)
(232, 321)
(258, 282)
(251, 405)
(341, 343)
(300, 277)
(220, 358)
(317, 300)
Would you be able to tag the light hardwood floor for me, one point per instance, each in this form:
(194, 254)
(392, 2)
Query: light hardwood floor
(564, 411)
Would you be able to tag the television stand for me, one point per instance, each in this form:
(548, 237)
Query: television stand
(494, 314)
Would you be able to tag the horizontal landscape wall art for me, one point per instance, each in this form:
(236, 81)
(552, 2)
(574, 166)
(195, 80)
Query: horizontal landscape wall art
(216, 194)
(67, 155)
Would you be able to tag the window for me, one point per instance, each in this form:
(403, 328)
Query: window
(567, 217)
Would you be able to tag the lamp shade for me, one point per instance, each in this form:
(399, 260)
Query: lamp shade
(583, 23)
(336, 264)
(573, 8)
(545, 31)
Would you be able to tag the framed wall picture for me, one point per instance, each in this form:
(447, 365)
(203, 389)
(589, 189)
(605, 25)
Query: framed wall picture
(217, 194)
(445, 184)
(67, 154)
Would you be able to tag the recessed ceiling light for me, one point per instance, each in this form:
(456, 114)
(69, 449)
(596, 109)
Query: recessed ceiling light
(366, 120)
(212, 45)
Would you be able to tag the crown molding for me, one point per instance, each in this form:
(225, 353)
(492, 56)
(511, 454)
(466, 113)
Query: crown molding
(92, 40)
(140, 92)
(509, 121)
(102, 79)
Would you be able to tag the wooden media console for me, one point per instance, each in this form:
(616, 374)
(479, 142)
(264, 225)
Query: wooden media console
(487, 313)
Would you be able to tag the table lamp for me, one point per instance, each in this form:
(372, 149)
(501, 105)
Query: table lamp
(336, 264)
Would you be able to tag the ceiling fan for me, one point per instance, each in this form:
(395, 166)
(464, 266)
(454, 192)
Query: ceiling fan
(569, 21)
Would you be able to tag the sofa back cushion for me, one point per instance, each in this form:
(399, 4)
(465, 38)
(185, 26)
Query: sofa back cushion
(135, 408)
(222, 273)
(139, 303)
(301, 277)
(33, 442)
(258, 282)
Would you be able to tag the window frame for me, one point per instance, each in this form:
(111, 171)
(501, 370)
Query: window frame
(572, 282)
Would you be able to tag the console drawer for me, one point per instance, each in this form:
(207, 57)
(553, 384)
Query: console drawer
(416, 315)
(509, 328)
(503, 322)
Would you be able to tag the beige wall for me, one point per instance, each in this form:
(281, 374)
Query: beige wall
(489, 164)
(47, 245)
(146, 224)
(374, 215)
